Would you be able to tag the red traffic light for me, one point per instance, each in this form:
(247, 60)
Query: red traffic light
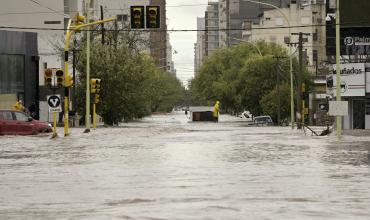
(48, 72)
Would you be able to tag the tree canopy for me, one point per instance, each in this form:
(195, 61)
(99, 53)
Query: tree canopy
(243, 77)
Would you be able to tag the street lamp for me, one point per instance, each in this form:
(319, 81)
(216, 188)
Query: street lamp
(337, 47)
(290, 58)
(244, 41)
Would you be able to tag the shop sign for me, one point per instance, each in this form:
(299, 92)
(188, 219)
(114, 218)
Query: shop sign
(352, 77)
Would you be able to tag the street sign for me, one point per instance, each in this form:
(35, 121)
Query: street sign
(54, 103)
(338, 108)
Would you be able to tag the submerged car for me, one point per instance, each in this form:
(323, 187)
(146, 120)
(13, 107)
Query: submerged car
(14, 122)
(263, 120)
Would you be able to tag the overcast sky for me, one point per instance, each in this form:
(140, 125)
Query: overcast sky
(184, 17)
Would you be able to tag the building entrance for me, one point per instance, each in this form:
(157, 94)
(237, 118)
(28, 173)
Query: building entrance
(358, 114)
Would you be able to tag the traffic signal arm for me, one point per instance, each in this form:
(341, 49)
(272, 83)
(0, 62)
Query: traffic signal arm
(78, 27)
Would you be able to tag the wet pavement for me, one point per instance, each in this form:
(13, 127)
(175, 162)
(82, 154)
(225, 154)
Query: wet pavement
(166, 168)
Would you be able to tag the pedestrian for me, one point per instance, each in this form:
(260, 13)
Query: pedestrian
(32, 110)
(18, 106)
(216, 111)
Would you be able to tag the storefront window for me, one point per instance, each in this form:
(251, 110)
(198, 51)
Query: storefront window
(11, 73)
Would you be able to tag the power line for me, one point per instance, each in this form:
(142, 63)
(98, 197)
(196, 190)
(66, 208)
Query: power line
(162, 30)
(38, 3)
(52, 11)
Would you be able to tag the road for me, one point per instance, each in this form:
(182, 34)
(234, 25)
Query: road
(166, 168)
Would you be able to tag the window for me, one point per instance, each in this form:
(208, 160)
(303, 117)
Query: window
(6, 116)
(314, 37)
(11, 73)
(122, 18)
(20, 116)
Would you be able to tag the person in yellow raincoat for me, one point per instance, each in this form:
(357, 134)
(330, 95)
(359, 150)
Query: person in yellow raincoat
(18, 106)
(216, 111)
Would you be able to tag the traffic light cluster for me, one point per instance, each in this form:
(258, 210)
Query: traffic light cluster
(150, 16)
(95, 89)
(54, 78)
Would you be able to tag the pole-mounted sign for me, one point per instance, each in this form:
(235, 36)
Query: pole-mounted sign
(54, 103)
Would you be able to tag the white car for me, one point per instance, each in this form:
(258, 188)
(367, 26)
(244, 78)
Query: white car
(263, 120)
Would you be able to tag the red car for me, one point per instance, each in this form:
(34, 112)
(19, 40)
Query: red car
(19, 123)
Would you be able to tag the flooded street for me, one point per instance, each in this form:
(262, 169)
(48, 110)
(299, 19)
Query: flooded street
(166, 168)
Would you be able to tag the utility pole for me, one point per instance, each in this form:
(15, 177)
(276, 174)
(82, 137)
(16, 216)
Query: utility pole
(300, 113)
(299, 81)
(102, 25)
(278, 58)
(87, 116)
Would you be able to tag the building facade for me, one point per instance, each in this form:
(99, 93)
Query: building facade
(211, 28)
(199, 46)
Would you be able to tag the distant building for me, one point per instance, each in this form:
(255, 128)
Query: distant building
(211, 28)
(199, 46)
(170, 67)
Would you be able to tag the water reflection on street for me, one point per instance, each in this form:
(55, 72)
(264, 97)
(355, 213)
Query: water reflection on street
(166, 168)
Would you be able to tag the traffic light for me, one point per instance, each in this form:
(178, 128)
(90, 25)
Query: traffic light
(95, 86)
(48, 76)
(59, 74)
(153, 17)
(68, 81)
(96, 98)
(137, 17)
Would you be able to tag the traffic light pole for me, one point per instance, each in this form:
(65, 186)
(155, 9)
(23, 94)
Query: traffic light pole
(87, 116)
(67, 78)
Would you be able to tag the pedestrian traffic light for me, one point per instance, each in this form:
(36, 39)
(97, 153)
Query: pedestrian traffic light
(137, 17)
(153, 17)
(59, 74)
(48, 76)
(95, 86)
(96, 98)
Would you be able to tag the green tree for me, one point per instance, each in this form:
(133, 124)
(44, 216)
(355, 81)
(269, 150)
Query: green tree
(270, 104)
(131, 87)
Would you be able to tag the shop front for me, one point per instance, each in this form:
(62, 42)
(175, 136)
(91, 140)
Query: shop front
(354, 90)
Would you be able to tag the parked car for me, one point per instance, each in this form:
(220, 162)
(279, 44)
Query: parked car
(14, 122)
(263, 120)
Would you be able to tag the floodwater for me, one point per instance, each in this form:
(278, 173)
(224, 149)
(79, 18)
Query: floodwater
(166, 168)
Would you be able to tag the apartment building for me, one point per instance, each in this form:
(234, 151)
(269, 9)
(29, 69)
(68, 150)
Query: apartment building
(199, 46)
(308, 19)
(211, 28)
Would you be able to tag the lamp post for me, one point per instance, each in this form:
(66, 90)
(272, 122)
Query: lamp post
(244, 41)
(337, 48)
(290, 58)
(87, 115)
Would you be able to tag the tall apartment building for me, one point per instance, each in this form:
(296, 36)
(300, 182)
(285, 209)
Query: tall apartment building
(199, 46)
(211, 28)
(308, 19)
(233, 13)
